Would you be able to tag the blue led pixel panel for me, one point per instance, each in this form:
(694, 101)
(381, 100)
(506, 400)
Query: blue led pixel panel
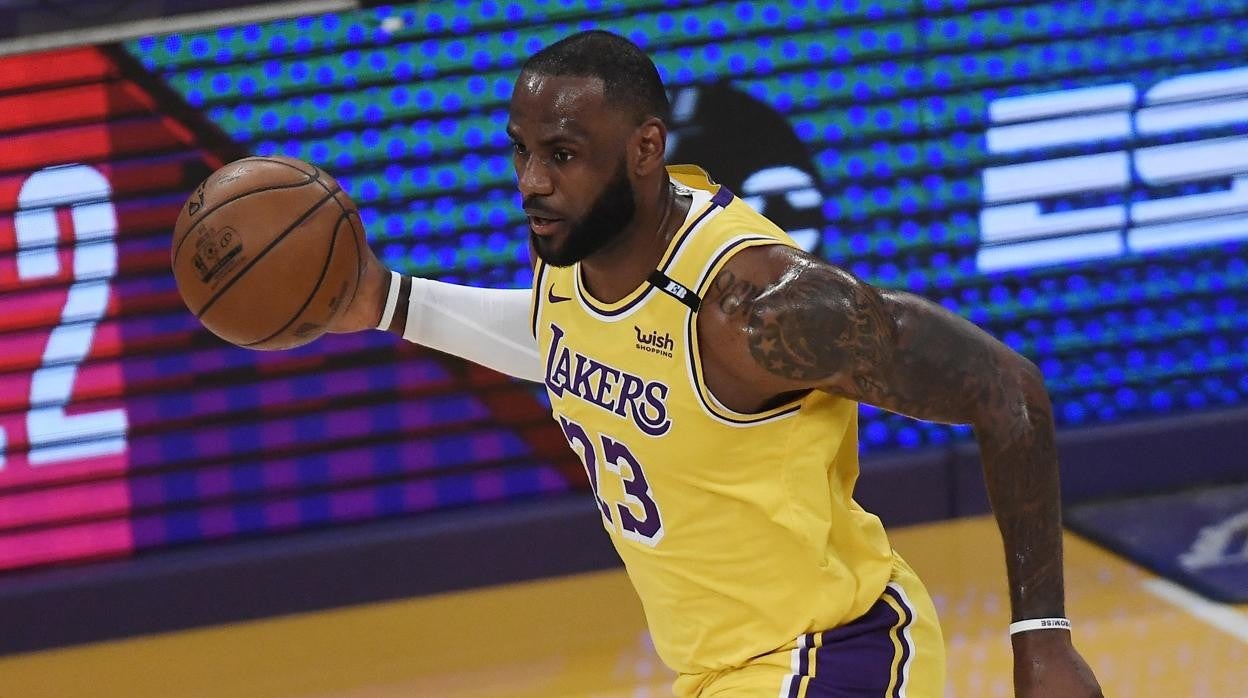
(1072, 176)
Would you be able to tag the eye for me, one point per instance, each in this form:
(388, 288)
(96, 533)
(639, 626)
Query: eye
(519, 148)
(562, 156)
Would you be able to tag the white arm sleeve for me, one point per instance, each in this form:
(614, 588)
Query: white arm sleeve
(487, 326)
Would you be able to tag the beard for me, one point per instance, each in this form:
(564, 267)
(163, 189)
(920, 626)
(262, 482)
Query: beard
(605, 221)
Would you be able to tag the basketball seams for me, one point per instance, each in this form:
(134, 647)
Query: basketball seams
(200, 218)
(358, 234)
(260, 255)
(329, 260)
(314, 176)
(359, 257)
(336, 262)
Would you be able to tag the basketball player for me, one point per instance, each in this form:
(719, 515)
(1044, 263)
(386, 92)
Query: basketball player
(707, 372)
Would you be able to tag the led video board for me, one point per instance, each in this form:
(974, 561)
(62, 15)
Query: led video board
(1069, 175)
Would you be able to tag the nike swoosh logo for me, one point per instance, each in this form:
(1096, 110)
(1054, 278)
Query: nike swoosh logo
(550, 296)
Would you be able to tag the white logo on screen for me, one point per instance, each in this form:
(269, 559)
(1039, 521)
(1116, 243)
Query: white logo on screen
(1015, 231)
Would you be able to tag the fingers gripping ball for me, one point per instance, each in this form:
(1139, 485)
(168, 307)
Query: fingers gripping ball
(266, 252)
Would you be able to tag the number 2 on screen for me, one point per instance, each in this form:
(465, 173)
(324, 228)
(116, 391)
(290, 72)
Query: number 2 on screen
(54, 435)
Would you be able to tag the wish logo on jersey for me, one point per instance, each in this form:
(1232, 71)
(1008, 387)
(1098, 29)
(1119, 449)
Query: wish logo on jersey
(1177, 174)
(620, 392)
(652, 341)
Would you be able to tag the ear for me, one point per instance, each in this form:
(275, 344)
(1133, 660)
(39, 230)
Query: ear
(649, 146)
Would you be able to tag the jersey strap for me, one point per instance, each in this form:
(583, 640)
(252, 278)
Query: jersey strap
(675, 289)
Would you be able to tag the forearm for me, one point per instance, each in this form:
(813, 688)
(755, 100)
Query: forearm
(483, 325)
(961, 374)
(1021, 474)
(955, 372)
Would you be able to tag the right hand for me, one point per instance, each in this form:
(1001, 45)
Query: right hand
(1046, 665)
(370, 298)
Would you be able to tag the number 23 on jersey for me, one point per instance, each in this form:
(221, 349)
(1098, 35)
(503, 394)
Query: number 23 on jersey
(637, 518)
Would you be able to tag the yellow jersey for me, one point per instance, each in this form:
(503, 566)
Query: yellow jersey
(738, 531)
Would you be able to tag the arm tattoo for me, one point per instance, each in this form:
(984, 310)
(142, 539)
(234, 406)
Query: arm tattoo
(796, 333)
(820, 326)
(730, 293)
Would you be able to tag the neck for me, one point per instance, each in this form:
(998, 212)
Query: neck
(613, 272)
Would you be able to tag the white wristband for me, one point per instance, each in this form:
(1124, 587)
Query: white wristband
(1023, 626)
(392, 302)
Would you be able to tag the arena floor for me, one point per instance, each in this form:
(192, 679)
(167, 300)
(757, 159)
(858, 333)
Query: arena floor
(584, 636)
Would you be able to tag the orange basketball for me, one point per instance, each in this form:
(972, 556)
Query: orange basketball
(266, 251)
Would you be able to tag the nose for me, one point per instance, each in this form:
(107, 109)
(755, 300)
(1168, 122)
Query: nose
(533, 178)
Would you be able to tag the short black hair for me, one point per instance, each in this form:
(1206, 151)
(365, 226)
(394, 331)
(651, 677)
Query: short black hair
(629, 78)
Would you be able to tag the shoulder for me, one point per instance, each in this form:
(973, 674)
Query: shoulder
(771, 274)
(772, 312)
(743, 277)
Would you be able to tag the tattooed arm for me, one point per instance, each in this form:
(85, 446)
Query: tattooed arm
(780, 321)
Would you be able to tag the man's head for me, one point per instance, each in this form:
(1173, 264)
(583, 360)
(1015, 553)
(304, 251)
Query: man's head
(588, 119)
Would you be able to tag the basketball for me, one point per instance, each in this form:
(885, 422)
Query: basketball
(266, 252)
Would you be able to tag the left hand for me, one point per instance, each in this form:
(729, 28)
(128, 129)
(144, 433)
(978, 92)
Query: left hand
(1047, 665)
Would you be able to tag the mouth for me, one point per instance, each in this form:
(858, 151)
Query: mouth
(545, 226)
